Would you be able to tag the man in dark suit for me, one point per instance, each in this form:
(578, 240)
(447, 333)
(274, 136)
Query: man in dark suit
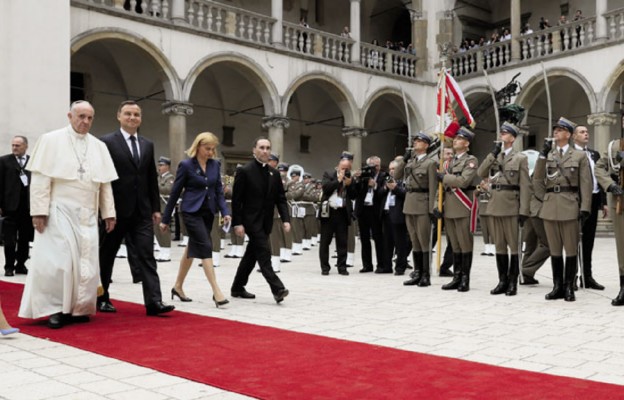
(17, 226)
(257, 190)
(368, 207)
(599, 202)
(138, 207)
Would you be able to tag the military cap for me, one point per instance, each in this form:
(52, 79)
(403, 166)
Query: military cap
(295, 172)
(164, 160)
(307, 176)
(509, 128)
(565, 124)
(346, 156)
(422, 136)
(282, 167)
(465, 133)
(274, 157)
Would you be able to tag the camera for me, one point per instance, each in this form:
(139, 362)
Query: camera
(347, 173)
(389, 179)
(368, 171)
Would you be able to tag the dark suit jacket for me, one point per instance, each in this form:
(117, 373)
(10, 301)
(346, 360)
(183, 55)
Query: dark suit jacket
(331, 184)
(197, 187)
(395, 213)
(253, 203)
(136, 190)
(362, 188)
(12, 192)
(603, 195)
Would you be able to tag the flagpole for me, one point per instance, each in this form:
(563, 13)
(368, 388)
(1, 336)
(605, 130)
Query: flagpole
(407, 118)
(442, 109)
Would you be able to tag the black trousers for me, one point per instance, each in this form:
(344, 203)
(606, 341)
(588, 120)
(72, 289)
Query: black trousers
(395, 238)
(141, 233)
(337, 224)
(258, 249)
(589, 232)
(17, 231)
(370, 223)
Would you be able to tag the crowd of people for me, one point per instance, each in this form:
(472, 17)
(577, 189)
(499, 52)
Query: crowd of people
(82, 207)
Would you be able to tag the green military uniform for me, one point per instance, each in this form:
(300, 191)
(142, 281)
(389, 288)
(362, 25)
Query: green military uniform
(294, 194)
(237, 243)
(165, 184)
(564, 176)
(458, 184)
(419, 176)
(607, 173)
(484, 219)
(310, 197)
(510, 194)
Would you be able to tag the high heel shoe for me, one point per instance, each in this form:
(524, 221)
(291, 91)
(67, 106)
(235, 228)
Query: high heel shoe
(220, 303)
(180, 296)
(9, 331)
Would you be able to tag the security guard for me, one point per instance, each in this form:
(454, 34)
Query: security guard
(562, 173)
(508, 206)
(608, 172)
(459, 208)
(419, 174)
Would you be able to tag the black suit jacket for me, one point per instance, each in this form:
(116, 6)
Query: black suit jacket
(395, 213)
(12, 192)
(378, 194)
(331, 184)
(136, 190)
(603, 195)
(253, 202)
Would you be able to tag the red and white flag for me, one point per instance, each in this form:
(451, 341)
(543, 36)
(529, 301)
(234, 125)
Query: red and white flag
(452, 92)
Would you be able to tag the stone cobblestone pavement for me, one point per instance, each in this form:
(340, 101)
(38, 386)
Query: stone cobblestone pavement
(582, 339)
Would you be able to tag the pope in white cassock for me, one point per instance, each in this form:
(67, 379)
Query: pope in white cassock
(71, 181)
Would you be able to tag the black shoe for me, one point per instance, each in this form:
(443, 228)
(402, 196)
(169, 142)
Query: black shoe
(243, 294)
(446, 270)
(343, 271)
(324, 272)
(8, 272)
(21, 270)
(79, 319)
(158, 308)
(349, 266)
(284, 261)
(383, 271)
(279, 296)
(106, 306)
(528, 280)
(590, 283)
(220, 303)
(55, 321)
(182, 297)
(399, 272)
(363, 270)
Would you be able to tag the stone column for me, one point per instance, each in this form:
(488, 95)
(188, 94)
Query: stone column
(355, 31)
(177, 112)
(601, 32)
(515, 30)
(602, 129)
(277, 31)
(354, 136)
(177, 12)
(419, 39)
(276, 125)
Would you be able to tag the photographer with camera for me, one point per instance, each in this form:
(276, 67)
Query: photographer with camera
(336, 212)
(394, 229)
(368, 207)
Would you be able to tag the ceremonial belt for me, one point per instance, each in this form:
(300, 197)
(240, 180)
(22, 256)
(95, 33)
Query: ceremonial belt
(472, 205)
(466, 189)
(497, 186)
(417, 190)
(562, 189)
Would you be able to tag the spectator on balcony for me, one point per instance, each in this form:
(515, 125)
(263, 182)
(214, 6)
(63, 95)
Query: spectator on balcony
(302, 37)
(577, 17)
(410, 49)
(374, 55)
(544, 24)
(506, 34)
(303, 23)
(525, 44)
(562, 33)
(345, 32)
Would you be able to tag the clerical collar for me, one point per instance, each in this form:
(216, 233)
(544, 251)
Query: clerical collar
(75, 134)
(260, 162)
(127, 135)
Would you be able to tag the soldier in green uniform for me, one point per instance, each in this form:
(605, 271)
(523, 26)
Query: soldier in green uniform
(165, 183)
(459, 209)
(310, 197)
(237, 244)
(419, 174)
(286, 238)
(562, 173)
(294, 194)
(508, 206)
(608, 173)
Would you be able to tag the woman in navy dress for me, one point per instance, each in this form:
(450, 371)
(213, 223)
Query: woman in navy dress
(198, 180)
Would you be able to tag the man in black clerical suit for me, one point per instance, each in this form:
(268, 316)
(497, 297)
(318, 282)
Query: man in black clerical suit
(257, 191)
(137, 204)
(17, 228)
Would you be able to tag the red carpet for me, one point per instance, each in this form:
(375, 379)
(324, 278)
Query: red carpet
(272, 363)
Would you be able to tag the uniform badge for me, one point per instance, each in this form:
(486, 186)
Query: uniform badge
(471, 165)
(511, 173)
(271, 173)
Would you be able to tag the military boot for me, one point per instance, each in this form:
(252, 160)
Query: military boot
(457, 273)
(425, 277)
(557, 271)
(418, 269)
(619, 300)
(502, 265)
(569, 278)
(514, 270)
(464, 285)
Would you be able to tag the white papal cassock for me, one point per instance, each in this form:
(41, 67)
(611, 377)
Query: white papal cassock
(71, 175)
